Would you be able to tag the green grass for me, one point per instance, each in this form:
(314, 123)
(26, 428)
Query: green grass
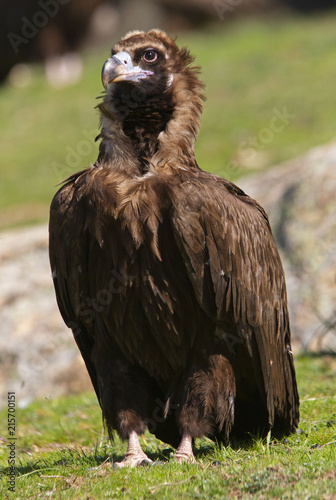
(60, 453)
(253, 69)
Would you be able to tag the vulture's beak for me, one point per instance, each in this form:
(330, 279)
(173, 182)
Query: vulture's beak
(120, 68)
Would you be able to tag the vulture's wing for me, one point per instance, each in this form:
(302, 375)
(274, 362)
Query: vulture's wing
(68, 249)
(236, 272)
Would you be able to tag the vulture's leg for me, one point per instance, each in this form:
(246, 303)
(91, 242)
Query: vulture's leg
(184, 452)
(205, 402)
(124, 392)
(134, 454)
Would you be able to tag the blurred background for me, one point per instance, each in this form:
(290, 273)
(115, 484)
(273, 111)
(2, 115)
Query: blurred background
(269, 125)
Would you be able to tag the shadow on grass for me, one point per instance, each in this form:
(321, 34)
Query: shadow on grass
(72, 459)
(69, 458)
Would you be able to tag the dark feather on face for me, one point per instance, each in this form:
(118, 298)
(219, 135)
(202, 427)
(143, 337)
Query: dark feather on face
(169, 276)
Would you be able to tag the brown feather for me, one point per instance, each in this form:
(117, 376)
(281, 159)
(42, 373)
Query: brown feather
(169, 276)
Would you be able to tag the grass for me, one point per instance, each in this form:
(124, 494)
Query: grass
(60, 453)
(254, 70)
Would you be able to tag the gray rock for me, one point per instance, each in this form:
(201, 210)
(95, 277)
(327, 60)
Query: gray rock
(300, 199)
(38, 356)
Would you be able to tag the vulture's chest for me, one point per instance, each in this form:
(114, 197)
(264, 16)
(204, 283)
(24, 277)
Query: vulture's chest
(140, 289)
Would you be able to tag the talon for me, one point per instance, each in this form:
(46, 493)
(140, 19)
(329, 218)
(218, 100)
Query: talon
(216, 463)
(134, 455)
(146, 462)
(133, 461)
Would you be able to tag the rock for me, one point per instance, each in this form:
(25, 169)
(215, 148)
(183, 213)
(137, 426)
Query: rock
(38, 356)
(300, 199)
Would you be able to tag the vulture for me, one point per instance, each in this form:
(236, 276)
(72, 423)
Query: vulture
(168, 275)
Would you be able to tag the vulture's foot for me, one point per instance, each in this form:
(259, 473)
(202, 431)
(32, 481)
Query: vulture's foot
(133, 461)
(184, 452)
(134, 455)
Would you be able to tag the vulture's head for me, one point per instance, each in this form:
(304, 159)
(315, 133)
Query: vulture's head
(152, 92)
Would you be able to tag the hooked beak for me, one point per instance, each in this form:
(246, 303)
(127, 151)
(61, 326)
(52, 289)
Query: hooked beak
(120, 68)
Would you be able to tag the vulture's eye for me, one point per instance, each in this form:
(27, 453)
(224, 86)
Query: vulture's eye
(150, 56)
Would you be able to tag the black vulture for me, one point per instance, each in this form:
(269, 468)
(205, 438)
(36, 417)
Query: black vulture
(169, 276)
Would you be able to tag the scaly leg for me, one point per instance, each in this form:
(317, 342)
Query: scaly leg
(134, 454)
(184, 452)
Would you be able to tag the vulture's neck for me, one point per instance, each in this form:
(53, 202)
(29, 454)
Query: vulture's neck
(156, 133)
